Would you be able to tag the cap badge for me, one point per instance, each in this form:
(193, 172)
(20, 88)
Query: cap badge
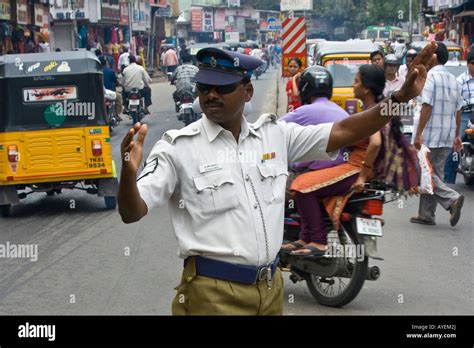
(213, 62)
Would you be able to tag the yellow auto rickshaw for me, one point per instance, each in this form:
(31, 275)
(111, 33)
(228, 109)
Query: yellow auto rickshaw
(53, 129)
(343, 59)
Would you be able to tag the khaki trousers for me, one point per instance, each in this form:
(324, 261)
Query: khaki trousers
(198, 295)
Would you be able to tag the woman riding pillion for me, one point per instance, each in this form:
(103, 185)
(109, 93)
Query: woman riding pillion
(312, 187)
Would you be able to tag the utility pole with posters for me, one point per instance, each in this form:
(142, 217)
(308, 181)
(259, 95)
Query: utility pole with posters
(74, 25)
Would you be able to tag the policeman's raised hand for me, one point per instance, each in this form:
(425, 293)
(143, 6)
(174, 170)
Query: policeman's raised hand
(132, 150)
(417, 73)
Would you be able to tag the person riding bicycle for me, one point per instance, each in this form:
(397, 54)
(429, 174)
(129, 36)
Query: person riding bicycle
(183, 77)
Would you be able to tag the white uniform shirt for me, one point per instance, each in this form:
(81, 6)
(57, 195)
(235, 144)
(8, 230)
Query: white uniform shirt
(225, 201)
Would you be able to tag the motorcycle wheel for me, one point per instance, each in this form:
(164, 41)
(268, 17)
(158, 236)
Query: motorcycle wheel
(327, 291)
(187, 119)
(469, 181)
(6, 210)
(134, 115)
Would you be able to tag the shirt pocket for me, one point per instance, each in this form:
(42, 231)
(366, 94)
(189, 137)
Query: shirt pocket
(216, 192)
(273, 178)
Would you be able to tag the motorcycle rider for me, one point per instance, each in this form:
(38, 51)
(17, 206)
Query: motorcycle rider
(183, 78)
(110, 83)
(410, 56)
(394, 80)
(316, 91)
(135, 76)
(326, 179)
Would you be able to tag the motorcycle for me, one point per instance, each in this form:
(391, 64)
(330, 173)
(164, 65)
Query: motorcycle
(110, 110)
(136, 107)
(466, 165)
(184, 107)
(336, 278)
(260, 70)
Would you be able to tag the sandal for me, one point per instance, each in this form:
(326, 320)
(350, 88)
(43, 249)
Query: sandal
(418, 220)
(296, 245)
(313, 251)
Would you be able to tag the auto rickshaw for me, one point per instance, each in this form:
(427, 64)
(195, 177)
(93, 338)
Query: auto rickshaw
(455, 52)
(343, 59)
(53, 129)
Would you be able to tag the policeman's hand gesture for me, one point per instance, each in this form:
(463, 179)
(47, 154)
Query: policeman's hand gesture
(417, 73)
(132, 151)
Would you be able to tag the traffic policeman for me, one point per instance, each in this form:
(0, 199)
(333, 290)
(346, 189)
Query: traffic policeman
(225, 179)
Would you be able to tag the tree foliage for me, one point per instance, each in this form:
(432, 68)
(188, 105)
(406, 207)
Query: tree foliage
(354, 14)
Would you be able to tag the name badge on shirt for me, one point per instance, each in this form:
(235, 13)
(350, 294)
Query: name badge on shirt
(209, 168)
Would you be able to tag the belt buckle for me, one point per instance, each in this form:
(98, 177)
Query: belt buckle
(262, 273)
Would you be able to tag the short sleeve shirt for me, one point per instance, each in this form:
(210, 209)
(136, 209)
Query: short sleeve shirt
(226, 199)
(441, 91)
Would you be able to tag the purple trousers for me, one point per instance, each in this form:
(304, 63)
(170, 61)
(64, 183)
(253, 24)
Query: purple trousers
(313, 228)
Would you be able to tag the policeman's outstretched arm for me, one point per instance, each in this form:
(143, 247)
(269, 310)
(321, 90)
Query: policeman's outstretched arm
(361, 126)
(131, 206)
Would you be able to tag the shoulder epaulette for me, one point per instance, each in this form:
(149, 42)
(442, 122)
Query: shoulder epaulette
(171, 135)
(265, 118)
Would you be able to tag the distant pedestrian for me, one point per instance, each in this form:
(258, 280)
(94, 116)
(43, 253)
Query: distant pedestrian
(439, 121)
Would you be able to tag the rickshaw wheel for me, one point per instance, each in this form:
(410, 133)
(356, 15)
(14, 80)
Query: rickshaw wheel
(6, 210)
(110, 202)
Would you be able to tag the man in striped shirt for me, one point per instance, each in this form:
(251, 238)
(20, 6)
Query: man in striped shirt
(438, 129)
(466, 87)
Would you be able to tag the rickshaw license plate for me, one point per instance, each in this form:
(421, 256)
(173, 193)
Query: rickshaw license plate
(372, 227)
(134, 102)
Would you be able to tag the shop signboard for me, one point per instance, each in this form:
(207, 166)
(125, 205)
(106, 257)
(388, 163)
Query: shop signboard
(5, 10)
(219, 19)
(21, 12)
(124, 11)
(296, 5)
(110, 10)
(232, 36)
(208, 20)
(164, 11)
(39, 15)
(196, 19)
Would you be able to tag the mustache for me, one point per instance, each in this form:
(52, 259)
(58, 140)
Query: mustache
(213, 103)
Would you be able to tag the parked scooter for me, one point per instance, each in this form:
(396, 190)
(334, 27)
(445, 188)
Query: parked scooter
(466, 165)
(335, 278)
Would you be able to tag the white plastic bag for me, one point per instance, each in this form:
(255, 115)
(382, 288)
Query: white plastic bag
(426, 180)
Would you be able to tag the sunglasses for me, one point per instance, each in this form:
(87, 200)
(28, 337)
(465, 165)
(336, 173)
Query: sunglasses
(225, 89)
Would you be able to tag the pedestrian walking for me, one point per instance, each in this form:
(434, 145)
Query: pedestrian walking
(438, 129)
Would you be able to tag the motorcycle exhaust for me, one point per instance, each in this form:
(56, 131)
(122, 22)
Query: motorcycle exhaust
(373, 273)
